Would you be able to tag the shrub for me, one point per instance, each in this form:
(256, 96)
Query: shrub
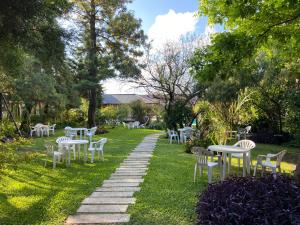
(9, 155)
(157, 125)
(250, 200)
(139, 111)
(7, 129)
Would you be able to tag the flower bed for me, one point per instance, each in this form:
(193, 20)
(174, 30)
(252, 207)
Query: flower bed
(250, 201)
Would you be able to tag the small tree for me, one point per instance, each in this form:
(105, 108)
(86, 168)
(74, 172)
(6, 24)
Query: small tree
(139, 111)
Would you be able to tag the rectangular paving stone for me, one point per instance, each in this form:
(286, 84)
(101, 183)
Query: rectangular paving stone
(102, 209)
(98, 218)
(118, 189)
(109, 201)
(124, 180)
(133, 165)
(105, 194)
(128, 184)
(126, 173)
(125, 177)
(132, 169)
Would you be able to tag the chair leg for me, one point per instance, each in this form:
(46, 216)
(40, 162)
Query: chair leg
(201, 171)
(229, 163)
(254, 172)
(54, 161)
(195, 172)
(262, 170)
(93, 155)
(209, 174)
(102, 155)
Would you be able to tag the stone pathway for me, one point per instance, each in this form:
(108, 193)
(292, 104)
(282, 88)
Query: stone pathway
(109, 203)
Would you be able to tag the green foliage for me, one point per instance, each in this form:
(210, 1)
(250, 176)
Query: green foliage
(7, 129)
(178, 115)
(157, 125)
(109, 112)
(122, 112)
(139, 110)
(31, 27)
(9, 156)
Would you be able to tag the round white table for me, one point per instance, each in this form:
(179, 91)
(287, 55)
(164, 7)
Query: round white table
(229, 149)
(76, 142)
(181, 132)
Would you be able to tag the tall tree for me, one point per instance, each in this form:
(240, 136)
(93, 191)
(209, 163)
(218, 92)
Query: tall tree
(166, 77)
(110, 41)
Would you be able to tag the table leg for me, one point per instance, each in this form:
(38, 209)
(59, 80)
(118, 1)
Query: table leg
(78, 152)
(224, 165)
(244, 164)
(85, 152)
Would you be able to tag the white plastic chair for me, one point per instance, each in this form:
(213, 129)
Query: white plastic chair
(55, 155)
(69, 132)
(52, 128)
(90, 133)
(265, 161)
(202, 155)
(97, 146)
(243, 132)
(33, 130)
(172, 135)
(61, 146)
(246, 144)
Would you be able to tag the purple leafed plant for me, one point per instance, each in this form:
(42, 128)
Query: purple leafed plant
(243, 201)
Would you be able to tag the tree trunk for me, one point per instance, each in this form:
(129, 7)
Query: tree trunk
(1, 113)
(92, 66)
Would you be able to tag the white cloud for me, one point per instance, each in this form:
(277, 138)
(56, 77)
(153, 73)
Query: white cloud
(171, 26)
(116, 86)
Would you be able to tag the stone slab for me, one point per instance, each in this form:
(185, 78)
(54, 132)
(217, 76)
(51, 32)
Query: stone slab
(102, 209)
(126, 173)
(127, 184)
(118, 189)
(126, 180)
(98, 218)
(109, 201)
(125, 177)
(105, 194)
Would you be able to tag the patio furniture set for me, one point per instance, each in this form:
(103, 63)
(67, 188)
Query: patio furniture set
(42, 129)
(72, 141)
(240, 150)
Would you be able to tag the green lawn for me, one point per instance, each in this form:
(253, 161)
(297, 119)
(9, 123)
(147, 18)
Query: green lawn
(169, 195)
(33, 194)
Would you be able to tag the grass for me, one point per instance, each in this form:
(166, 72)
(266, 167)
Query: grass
(169, 195)
(33, 194)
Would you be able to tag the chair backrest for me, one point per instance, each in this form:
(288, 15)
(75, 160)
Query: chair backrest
(93, 130)
(248, 129)
(49, 149)
(279, 156)
(61, 139)
(202, 155)
(53, 126)
(246, 144)
(99, 144)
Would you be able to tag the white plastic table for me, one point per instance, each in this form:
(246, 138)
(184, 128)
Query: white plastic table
(229, 149)
(76, 142)
(181, 133)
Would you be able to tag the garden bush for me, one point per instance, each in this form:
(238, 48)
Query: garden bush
(250, 200)
(9, 156)
(7, 129)
(157, 125)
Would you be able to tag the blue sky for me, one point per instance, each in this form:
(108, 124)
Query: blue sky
(162, 21)
(147, 10)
